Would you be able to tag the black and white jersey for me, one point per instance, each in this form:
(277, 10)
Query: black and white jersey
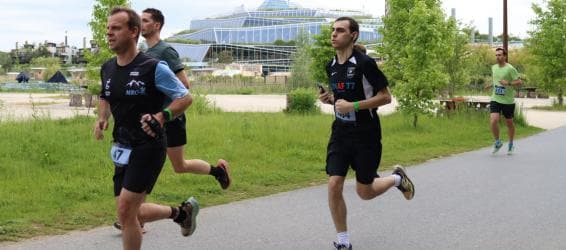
(132, 91)
(356, 80)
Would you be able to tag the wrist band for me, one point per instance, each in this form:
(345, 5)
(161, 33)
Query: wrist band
(356, 106)
(168, 114)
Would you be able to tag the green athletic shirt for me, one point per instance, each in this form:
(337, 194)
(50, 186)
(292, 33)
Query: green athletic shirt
(503, 94)
(164, 52)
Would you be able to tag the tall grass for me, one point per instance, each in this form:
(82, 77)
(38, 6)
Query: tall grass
(55, 177)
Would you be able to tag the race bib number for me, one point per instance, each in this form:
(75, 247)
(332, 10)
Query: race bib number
(347, 117)
(120, 155)
(499, 90)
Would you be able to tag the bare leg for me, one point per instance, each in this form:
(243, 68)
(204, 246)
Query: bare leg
(336, 203)
(376, 188)
(180, 165)
(494, 121)
(511, 128)
(128, 207)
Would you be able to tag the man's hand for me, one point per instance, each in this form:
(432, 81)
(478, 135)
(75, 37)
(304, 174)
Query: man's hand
(343, 106)
(99, 127)
(326, 97)
(504, 82)
(145, 119)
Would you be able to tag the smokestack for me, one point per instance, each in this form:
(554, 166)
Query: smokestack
(84, 42)
(490, 35)
(17, 46)
(453, 15)
(65, 38)
(473, 36)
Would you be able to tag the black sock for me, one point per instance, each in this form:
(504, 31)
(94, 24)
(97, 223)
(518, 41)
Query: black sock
(174, 213)
(181, 217)
(216, 171)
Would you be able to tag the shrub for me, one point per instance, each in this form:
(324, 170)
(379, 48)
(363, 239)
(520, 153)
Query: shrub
(303, 101)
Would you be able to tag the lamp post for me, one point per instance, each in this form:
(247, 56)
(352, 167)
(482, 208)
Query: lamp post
(505, 36)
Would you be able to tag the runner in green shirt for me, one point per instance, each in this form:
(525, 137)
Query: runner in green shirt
(505, 80)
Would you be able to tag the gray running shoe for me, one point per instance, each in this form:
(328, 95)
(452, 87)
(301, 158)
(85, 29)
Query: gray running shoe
(189, 224)
(406, 187)
(496, 147)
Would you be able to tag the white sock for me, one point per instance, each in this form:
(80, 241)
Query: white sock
(397, 179)
(343, 238)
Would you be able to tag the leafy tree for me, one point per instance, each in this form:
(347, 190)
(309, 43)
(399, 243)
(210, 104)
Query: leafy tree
(5, 61)
(458, 61)
(52, 64)
(546, 44)
(225, 57)
(301, 75)
(98, 24)
(415, 44)
(321, 53)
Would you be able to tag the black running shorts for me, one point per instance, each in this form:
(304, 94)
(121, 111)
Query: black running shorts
(508, 110)
(145, 164)
(358, 146)
(176, 131)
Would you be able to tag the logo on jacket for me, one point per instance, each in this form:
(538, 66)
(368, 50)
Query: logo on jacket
(134, 88)
(351, 72)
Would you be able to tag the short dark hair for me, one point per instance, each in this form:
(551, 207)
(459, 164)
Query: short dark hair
(354, 26)
(134, 20)
(156, 15)
(502, 49)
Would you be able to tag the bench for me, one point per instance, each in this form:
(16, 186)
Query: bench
(450, 104)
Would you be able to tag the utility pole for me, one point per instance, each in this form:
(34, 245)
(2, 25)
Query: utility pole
(505, 36)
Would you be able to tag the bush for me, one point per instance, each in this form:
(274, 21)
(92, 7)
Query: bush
(303, 101)
(201, 105)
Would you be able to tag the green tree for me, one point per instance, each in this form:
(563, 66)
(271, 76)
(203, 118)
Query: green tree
(415, 45)
(5, 61)
(52, 64)
(546, 44)
(458, 62)
(321, 53)
(98, 23)
(225, 56)
(301, 75)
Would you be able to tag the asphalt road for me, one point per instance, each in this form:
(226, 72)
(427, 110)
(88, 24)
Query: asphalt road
(467, 201)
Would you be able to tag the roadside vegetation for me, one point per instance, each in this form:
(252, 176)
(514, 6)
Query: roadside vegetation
(55, 177)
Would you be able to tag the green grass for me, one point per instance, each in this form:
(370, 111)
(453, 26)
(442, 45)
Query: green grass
(55, 177)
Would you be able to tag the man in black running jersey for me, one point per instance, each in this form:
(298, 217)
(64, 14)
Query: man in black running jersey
(134, 89)
(358, 89)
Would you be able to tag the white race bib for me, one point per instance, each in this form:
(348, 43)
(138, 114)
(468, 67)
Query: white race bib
(120, 155)
(348, 117)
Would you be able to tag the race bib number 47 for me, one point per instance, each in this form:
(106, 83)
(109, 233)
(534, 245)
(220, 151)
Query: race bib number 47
(120, 155)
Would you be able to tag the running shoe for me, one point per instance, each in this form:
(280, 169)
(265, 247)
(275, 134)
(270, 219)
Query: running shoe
(224, 179)
(497, 146)
(511, 149)
(189, 224)
(406, 187)
(342, 246)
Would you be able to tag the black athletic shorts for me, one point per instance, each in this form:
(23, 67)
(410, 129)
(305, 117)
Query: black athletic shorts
(140, 174)
(508, 110)
(358, 146)
(176, 131)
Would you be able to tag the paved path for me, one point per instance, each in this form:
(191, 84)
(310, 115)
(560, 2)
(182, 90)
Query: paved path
(468, 201)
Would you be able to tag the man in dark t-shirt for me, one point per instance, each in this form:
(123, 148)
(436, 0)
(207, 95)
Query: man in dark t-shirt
(152, 23)
(358, 88)
(134, 88)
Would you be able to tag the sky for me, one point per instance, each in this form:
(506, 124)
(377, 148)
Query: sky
(36, 21)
